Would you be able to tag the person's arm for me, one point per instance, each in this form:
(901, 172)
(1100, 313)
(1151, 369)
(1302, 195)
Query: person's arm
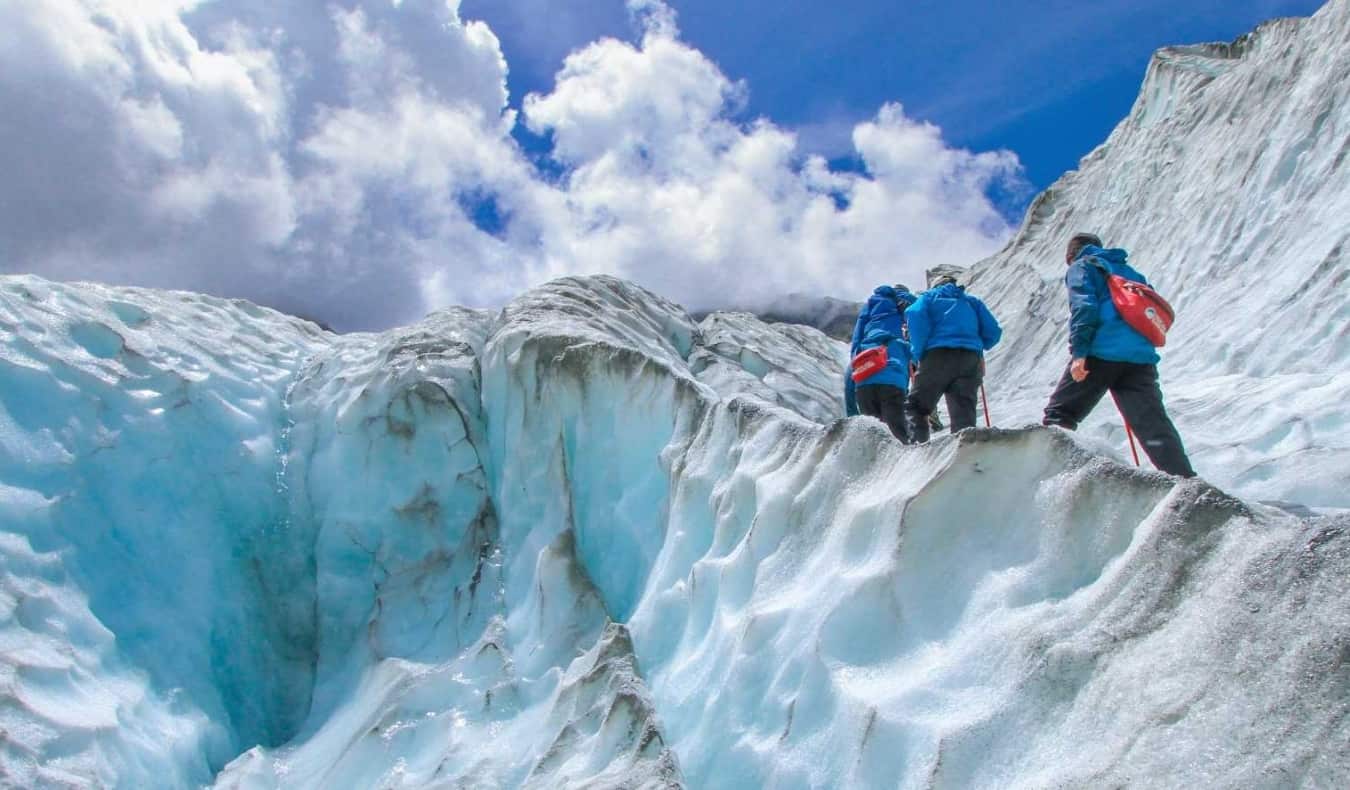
(917, 319)
(990, 331)
(1084, 309)
(899, 349)
(858, 327)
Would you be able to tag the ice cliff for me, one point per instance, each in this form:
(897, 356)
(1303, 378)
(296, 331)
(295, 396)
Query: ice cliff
(1228, 185)
(590, 542)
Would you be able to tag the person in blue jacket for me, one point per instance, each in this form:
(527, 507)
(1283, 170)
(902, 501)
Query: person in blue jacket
(882, 395)
(1109, 355)
(949, 331)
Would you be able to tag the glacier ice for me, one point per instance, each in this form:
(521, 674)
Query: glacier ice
(1227, 184)
(589, 541)
(139, 463)
(576, 544)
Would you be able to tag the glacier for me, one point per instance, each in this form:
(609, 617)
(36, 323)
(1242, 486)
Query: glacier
(1227, 184)
(576, 545)
(589, 541)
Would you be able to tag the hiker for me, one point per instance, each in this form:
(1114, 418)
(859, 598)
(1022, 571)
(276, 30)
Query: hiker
(949, 331)
(880, 379)
(851, 399)
(1110, 355)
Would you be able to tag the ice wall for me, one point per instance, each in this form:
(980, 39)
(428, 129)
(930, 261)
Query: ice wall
(156, 615)
(1229, 185)
(452, 650)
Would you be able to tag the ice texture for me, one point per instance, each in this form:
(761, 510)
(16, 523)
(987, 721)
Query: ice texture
(590, 542)
(1229, 184)
(155, 610)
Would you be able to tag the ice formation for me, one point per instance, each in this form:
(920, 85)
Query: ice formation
(590, 542)
(1227, 184)
(578, 544)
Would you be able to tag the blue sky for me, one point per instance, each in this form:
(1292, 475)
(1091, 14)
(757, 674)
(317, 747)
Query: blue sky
(1047, 80)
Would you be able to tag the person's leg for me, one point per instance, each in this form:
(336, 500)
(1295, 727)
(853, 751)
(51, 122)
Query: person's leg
(893, 410)
(1072, 401)
(1140, 400)
(929, 384)
(869, 401)
(963, 391)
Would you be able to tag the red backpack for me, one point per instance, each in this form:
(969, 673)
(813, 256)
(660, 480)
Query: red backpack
(869, 363)
(1143, 308)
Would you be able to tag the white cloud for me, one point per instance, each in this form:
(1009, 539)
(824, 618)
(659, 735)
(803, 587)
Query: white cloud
(331, 160)
(666, 190)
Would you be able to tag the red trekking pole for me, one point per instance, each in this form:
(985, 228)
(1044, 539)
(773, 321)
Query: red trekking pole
(1129, 432)
(985, 401)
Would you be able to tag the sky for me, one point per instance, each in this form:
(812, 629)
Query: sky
(363, 162)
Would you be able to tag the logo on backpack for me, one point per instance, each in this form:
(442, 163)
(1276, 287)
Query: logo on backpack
(1140, 306)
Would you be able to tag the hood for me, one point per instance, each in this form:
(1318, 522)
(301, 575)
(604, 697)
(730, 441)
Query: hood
(948, 291)
(883, 301)
(902, 294)
(1115, 255)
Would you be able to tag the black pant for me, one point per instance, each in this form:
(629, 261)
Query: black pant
(955, 373)
(886, 402)
(1135, 390)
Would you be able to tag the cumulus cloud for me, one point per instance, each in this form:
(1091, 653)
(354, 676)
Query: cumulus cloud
(355, 162)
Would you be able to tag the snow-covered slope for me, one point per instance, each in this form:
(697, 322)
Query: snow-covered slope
(1229, 183)
(571, 545)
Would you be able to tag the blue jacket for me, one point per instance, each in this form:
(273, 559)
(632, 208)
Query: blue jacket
(948, 317)
(1095, 326)
(880, 310)
(880, 322)
(896, 372)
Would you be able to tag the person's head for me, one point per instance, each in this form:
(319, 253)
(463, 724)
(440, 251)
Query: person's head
(903, 296)
(945, 279)
(1078, 242)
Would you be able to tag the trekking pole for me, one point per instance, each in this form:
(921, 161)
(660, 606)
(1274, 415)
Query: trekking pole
(985, 401)
(1129, 432)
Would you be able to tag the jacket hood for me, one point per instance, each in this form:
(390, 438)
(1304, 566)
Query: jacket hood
(1113, 255)
(949, 291)
(901, 295)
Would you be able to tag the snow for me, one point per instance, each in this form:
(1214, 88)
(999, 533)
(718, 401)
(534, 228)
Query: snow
(590, 542)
